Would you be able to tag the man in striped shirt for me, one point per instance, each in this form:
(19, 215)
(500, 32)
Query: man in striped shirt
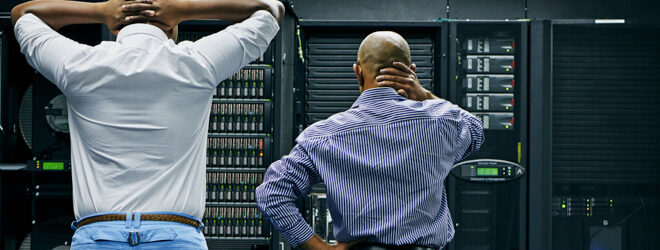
(383, 161)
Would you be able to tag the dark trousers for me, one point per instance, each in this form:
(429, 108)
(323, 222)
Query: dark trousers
(376, 246)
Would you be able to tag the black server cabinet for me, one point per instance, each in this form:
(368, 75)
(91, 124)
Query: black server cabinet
(600, 97)
(240, 146)
(325, 83)
(488, 190)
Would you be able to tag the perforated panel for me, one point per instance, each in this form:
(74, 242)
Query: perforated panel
(331, 84)
(606, 104)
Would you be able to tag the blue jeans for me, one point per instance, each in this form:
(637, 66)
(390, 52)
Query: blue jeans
(138, 234)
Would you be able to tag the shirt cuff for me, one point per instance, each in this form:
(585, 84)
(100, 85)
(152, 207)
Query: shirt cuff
(299, 233)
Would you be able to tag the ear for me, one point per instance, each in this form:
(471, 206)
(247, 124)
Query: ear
(358, 74)
(413, 67)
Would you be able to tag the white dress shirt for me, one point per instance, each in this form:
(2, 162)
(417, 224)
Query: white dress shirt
(139, 109)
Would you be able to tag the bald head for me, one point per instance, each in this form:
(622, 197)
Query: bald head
(380, 49)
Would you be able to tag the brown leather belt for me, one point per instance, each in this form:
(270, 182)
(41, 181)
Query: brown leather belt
(153, 217)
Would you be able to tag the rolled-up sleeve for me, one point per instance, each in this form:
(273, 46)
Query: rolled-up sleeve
(284, 181)
(231, 49)
(44, 48)
(471, 135)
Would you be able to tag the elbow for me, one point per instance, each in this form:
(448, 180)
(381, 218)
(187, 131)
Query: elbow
(276, 8)
(17, 12)
(261, 198)
(280, 12)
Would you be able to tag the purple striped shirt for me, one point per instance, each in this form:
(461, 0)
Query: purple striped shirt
(383, 162)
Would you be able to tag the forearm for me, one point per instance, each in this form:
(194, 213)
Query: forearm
(230, 10)
(58, 14)
(285, 181)
(276, 200)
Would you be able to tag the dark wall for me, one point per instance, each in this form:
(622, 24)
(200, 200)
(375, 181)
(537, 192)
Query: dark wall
(486, 9)
(634, 10)
(397, 10)
(385, 10)
(6, 5)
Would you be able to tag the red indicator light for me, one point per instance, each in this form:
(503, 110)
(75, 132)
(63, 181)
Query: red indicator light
(512, 101)
(513, 64)
(513, 45)
(513, 83)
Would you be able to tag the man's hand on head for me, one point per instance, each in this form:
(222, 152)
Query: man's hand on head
(404, 80)
(115, 17)
(164, 14)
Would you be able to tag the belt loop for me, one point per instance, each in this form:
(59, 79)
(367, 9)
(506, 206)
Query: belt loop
(129, 220)
(74, 225)
(136, 221)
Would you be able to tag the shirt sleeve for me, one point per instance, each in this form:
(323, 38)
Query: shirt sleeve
(284, 181)
(471, 135)
(44, 48)
(231, 49)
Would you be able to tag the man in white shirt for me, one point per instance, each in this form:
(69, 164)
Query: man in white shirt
(139, 108)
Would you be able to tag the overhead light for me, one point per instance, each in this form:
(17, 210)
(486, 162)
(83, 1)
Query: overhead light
(610, 21)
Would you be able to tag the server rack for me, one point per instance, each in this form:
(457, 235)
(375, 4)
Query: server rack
(597, 100)
(488, 77)
(240, 147)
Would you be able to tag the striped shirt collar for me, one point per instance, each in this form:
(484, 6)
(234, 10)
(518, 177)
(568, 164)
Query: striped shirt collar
(377, 94)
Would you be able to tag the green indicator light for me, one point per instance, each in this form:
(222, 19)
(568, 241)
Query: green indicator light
(610, 200)
(563, 205)
(487, 171)
(53, 165)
